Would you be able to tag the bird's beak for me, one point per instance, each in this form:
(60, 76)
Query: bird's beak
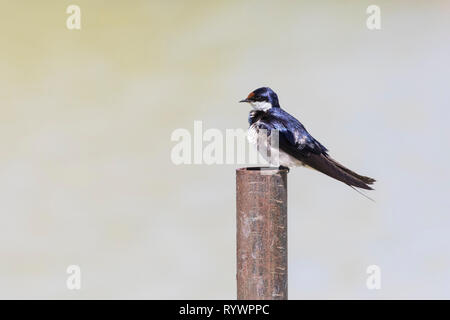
(245, 100)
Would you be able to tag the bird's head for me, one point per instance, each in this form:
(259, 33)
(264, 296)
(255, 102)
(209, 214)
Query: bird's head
(262, 99)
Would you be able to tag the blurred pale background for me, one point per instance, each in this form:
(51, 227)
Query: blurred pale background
(86, 119)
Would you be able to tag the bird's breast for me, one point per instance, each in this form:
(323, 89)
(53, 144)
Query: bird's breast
(252, 133)
(273, 155)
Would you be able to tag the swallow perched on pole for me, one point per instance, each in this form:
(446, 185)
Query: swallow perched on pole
(296, 147)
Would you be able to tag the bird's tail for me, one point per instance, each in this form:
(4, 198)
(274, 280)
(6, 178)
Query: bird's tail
(334, 169)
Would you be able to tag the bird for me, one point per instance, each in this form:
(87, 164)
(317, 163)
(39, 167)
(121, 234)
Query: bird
(296, 147)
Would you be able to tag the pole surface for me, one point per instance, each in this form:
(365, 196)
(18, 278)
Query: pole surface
(261, 218)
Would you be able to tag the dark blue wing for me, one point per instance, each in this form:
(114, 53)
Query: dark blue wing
(293, 137)
(297, 142)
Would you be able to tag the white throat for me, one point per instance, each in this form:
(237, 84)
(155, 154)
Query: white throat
(261, 105)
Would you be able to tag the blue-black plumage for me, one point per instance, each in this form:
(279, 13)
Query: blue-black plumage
(296, 146)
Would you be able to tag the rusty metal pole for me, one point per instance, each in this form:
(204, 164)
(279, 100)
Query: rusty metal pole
(261, 218)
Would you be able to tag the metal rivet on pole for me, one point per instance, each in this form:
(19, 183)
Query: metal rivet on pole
(261, 218)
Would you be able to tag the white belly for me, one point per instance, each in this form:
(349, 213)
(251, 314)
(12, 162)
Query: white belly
(274, 157)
